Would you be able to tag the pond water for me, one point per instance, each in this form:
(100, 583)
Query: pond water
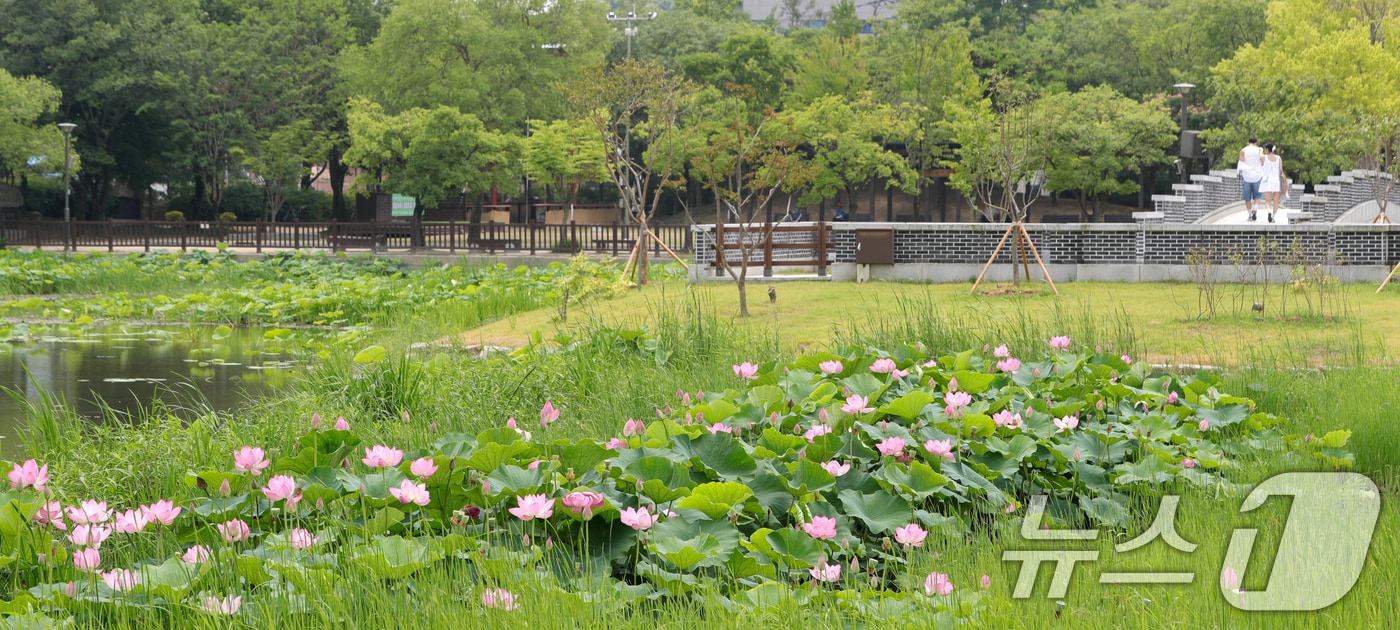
(189, 368)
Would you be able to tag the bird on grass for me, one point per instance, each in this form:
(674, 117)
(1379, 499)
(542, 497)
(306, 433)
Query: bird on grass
(772, 295)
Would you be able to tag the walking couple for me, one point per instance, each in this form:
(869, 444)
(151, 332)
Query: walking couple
(1261, 177)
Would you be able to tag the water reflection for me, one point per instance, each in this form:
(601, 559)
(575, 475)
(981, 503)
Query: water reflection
(128, 368)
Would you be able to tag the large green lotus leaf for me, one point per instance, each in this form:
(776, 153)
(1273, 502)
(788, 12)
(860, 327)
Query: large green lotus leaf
(823, 393)
(1021, 447)
(658, 468)
(491, 455)
(772, 492)
(723, 532)
(968, 478)
(786, 546)
(813, 362)
(1224, 416)
(382, 520)
(808, 476)
(396, 557)
(716, 499)
(1104, 510)
(1149, 469)
(764, 396)
(716, 410)
(173, 579)
(974, 382)
(978, 425)
(513, 479)
(908, 406)
(879, 511)
(329, 441)
(375, 484)
(498, 435)
(864, 384)
(741, 565)
(703, 550)
(724, 455)
(916, 481)
(581, 456)
(1092, 447)
(781, 443)
(1154, 428)
(455, 445)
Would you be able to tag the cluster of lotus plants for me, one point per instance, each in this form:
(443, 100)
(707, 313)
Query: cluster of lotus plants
(830, 477)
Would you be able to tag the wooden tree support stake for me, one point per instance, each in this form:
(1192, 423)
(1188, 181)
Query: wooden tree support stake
(1023, 240)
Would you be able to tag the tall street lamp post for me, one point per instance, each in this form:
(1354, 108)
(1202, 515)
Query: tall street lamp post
(67, 166)
(630, 25)
(1189, 146)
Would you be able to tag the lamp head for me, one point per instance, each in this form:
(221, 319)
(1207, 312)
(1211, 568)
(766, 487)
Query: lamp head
(1183, 88)
(67, 127)
(612, 16)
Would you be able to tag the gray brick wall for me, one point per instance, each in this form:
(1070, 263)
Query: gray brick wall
(1144, 243)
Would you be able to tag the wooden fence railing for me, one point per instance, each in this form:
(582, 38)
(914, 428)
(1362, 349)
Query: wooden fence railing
(451, 236)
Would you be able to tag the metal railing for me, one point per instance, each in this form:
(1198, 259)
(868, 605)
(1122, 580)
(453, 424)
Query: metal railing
(452, 236)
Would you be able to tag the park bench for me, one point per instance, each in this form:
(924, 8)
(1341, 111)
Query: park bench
(342, 242)
(493, 244)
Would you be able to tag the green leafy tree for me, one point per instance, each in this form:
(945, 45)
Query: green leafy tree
(832, 65)
(716, 10)
(428, 154)
(639, 100)
(751, 57)
(26, 104)
(1096, 136)
(564, 153)
(494, 59)
(847, 143)
(673, 36)
(279, 159)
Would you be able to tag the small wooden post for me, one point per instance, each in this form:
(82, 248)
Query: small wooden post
(258, 236)
(148, 235)
(110, 240)
(767, 250)
(184, 236)
(821, 250)
(452, 235)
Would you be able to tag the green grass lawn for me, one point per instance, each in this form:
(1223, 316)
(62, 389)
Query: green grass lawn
(1161, 318)
(601, 377)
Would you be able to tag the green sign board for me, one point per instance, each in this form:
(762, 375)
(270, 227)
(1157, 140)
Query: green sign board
(401, 206)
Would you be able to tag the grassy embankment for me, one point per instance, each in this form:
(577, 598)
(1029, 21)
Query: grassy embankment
(604, 379)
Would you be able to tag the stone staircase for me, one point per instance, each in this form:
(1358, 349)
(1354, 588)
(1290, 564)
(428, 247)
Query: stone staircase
(1190, 203)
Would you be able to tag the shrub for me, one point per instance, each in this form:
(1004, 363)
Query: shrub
(228, 217)
(174, 215)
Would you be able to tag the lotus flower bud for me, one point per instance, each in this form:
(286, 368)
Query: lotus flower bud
(225, 489)
(315, 421)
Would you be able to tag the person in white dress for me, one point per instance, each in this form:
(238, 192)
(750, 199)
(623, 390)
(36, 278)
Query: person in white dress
(1272, 183)
(1251, 168)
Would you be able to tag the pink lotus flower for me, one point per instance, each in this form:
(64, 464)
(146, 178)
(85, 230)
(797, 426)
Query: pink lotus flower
(409, 492)
(1230, 580)
(280, 487)
(633, 428)
(1003, 417)
(952, 384)
(1001, 352)
(131, 522)
(51, 513)
(300, 538)
(883, 366)
(615, 443)
(911, 535)
(88, 512)
(1127, 359)
(720, 427)
(548, 414)
(986, 581)
(510, 423)
(1204, 425)
(121, 580)
(746, 371)
(250, 459)
(380, 456)
(836, 468)
(316, 421)
(30, 473)
(817, 430)
(1172, 398)
(942, 448)
(1010, 365)
(1059, 343)
(821, 528)
(423, 467)
(499, 598)
(938, 584)
(341, 424)
(229, 605)
(87, 559)
(582, 501)
(638, 518)
(533, 506)
(1188, 463)
(234, 531)
(1067, 423)
(162, 511)
(831, 367)
(955, 402)
(855, 403)
(890, 446)
(825, 572)
(195, 554)
(89, 535)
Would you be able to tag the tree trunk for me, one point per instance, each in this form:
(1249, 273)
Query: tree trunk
(1098, 209)
(642, 252)
(338, 169)
(474, 231)
(416, 231)
(1083, 210)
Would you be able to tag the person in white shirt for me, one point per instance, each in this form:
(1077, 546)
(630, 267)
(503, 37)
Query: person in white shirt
(1251, 167)
(1272, 183)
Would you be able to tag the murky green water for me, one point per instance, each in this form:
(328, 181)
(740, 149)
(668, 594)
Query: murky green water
(127, 367)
